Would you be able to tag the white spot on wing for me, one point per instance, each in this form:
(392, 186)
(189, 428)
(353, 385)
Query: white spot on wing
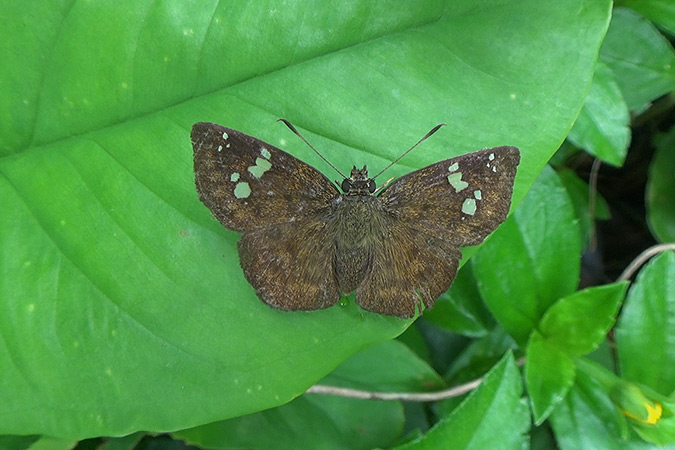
(225, 136)
(261, 166)
(455, 180)
(242, 190)
(234, 176)
(265, 153)
(469, 206)
(478, 195)
(453, 167)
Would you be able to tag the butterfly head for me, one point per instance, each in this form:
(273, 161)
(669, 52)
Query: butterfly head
(358, 183)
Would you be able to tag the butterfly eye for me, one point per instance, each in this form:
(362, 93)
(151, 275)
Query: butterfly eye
(346, 185)
(371, 186)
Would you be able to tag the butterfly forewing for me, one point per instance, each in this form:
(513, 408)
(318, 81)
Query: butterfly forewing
(280, 204)
(461, 199)
(247, 183)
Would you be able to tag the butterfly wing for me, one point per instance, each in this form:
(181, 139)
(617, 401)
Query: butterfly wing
(248, 183)
(280, 204)
(409, 267)
(291, 265)
(434, 211)
(461, 200)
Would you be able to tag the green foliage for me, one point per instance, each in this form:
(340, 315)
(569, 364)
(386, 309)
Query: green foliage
(574, 326)
(495, 412)
(123, 309)
(542, 229)
(661, 189)
(602, 126)
(648, 322)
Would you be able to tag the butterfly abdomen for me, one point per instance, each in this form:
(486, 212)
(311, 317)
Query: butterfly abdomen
(357, 224)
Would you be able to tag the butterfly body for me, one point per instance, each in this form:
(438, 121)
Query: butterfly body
(304, 243)
(357, 226)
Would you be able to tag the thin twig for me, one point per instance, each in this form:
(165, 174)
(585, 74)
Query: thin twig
(592, 201)
(406, 396)
(642, 258)
(455, 391)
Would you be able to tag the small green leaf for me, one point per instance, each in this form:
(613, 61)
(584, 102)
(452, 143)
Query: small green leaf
(578, 191)
(386, 367)
(128, 442)
(661, 189)
(578, 323)
(548, 375)
(641, 59)
(573, 326)
(317, 421)
(650, 414)
(474, 361)
(332, 422)
(532, 259)
(587, 418)
(602, 128)
(50, 443)
(10, 442)
(645, 335)
(461, 310)
(494, 412)
(661, 12)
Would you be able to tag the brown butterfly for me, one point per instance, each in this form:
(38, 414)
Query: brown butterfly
(304, 243)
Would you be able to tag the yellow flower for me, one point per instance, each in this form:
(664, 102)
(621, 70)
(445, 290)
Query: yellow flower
(653, 413)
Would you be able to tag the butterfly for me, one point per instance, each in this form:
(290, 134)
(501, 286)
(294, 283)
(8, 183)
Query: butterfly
(306, 241)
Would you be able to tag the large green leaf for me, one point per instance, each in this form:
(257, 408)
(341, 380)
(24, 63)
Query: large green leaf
(122, 306)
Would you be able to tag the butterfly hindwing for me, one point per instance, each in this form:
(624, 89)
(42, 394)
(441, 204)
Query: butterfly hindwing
(247, 183)
(461, 199)
(409, 267)
(291, 265)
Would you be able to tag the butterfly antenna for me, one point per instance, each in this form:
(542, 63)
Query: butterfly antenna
(433, 130)
(289, 125)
